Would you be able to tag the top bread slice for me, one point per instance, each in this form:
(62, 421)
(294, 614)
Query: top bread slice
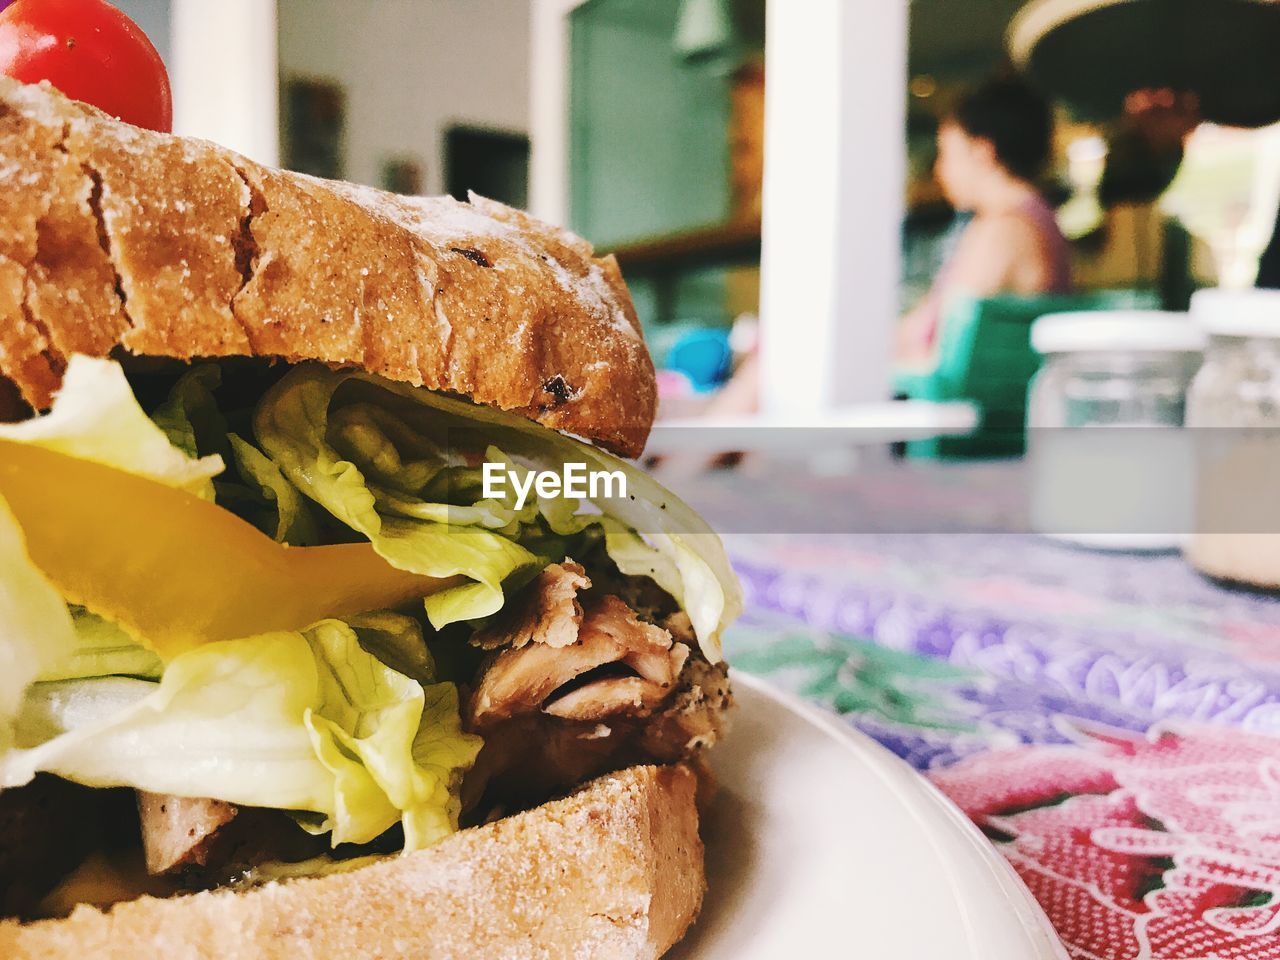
(613, 871)
(113, 237)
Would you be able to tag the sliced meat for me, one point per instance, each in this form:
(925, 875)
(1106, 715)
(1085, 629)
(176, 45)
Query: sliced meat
(646, 648)
(622, 683)
(527, 679)
(695, 716)
(546, 611)
(518, 681)
(205, 840)
(607, 698)
(176, 830)
(533, 756)
(680, 626)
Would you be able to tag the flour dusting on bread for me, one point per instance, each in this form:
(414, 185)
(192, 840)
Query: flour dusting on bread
(181, 248)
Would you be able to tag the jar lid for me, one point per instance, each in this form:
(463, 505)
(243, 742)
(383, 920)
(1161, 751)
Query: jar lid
(1237, 313)
(1154, 331)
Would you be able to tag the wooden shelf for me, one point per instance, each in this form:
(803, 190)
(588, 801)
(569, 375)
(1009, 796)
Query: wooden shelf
(721, 245)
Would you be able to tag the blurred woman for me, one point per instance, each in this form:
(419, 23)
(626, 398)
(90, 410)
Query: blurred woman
(1136, 243)
(991, 148)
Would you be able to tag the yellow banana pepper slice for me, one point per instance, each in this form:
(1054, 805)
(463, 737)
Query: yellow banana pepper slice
(178, 571)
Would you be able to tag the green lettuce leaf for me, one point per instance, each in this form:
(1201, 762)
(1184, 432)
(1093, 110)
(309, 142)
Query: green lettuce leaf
(293, 521)
(102, 649)
(397, 641)
(440, 750)
(393, 747)
(255, 489)
(308, 722)
(293, 426)
(35, 627)
(95, 417)
(190, 416)
(383, 458)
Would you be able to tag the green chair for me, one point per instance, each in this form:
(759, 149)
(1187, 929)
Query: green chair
(985, 357)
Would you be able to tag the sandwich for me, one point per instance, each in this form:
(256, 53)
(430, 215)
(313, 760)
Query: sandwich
(318, 637)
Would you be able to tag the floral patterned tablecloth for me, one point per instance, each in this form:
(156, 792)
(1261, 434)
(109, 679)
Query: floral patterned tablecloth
(1111, 722)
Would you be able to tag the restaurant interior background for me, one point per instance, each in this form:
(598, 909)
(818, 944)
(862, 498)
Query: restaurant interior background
(640, 124)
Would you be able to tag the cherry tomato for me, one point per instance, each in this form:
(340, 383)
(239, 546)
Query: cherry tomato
(90, 51)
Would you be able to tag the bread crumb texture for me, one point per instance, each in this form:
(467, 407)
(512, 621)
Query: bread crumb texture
(166, 246)
(614, 871)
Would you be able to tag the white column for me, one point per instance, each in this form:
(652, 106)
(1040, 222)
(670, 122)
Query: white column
(549, 109)
(835, 159)
(224, 74)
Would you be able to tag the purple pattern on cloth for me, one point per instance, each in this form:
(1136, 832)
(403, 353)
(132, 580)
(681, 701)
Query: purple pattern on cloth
(1128, 640)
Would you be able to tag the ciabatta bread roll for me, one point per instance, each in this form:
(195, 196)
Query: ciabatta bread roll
(612, 872)
(169, 247)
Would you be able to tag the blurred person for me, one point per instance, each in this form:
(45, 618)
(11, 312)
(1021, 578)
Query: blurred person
(991, 148)
(1147, 145)
(1137, 244)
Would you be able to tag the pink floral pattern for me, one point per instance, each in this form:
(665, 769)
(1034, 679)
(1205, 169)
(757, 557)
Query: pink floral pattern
(1111, 721)
(1156, 847)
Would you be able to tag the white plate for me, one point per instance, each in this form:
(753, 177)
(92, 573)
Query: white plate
(821, 843)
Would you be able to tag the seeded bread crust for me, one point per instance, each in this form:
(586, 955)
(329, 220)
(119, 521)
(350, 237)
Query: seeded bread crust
(112, 237)
(613, 871)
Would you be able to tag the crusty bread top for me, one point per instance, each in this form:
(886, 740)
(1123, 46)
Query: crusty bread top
(167, 246)
(614, 871)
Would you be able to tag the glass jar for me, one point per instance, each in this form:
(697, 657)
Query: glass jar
(1111, 488)
(1239, 384)
(1237, 391)
(1113, 368)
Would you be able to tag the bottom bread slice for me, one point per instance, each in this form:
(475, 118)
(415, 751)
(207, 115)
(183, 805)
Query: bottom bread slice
(613, 871)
